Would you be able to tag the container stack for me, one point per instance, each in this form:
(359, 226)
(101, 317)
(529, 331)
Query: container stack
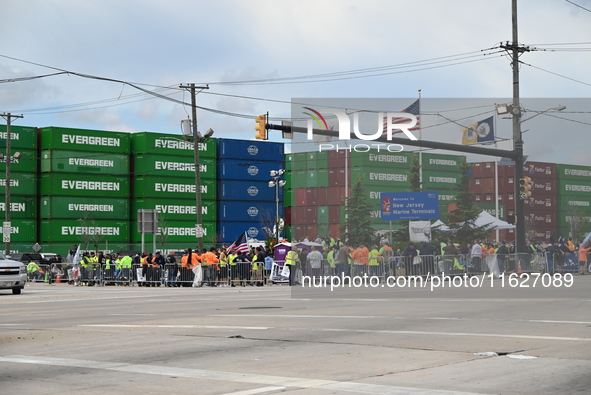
(23, 185)
(246, 202)
(540, 210)
(574, 199)
(84, 188)
(164, 180)
(441, 173)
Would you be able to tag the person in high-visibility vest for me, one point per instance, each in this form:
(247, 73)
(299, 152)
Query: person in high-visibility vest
(188, 262)
(210, 260)
(330, 259)
(374, 262)
(233, 268)
(34, 270)
(292, 259)
(126, 266)
(223, 266)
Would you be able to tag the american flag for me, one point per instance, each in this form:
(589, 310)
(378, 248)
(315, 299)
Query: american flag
(241, 244)
(413, 109)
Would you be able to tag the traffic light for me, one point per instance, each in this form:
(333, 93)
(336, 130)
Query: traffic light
(525, 185)
(261, 127)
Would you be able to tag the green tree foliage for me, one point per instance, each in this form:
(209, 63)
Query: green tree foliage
(357, 228)
(462, 220)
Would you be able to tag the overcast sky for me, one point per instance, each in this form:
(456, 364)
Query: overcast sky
(158, 45)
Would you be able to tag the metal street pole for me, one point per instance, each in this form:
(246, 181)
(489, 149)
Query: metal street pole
(517, 137)
(196, 138)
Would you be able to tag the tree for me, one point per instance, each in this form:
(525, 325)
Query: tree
(90, 234)
(357, 228)
(462, 219)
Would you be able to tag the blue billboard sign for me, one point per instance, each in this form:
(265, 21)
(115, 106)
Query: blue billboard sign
(397, 206)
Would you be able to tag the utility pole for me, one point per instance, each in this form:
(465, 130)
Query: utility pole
(196, 140)
(6, 227)
(515, 50)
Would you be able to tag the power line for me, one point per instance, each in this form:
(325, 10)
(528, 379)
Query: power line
(575, 4)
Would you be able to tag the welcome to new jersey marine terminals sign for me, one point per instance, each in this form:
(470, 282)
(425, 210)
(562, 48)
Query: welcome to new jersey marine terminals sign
(398, 206)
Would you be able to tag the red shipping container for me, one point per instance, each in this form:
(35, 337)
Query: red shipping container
(544, 187)
(488, 197)
(506, 171)
(336, 159)
(540, 203)
(476, 185)
(507, 184)
(540, 170)
(311, 216)
(544, 234)
(309, 231)
(336, 177)
(301, 197)
(334, 231)
(332, 196)
(541, 220)
(322, 196)
(507, 235)
(488, 185)
(334, 214)
(287, 215)
(508, 199)
(483, 169)
(478, 198)
(311, 198)
(300, 215)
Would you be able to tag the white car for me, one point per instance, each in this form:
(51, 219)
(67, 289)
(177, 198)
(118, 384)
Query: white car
(13, 275)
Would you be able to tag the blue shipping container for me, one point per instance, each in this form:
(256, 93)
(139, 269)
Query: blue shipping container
(235, 169)
(259, 212)
(250, 150)
(230, 231)
(247, 191)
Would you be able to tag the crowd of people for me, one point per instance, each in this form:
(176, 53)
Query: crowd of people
(322, 256)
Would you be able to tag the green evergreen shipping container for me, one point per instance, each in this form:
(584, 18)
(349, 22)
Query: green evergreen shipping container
(84, 162)
(58, 184)
(322, 214)
(23, 230)
(58, 207)
(178, 232)
(170, 144)
(21, 137)
(574, 204)
(27, 163)
(23, 184)
(572, 172)
(382, 159)
(439, 162)
(384, 176)
(374, 193)
(172, 188)
(23, 207)
(66, 230)
(176, 209)
(437, 180)
(569, 188)
(566, 218)
(158, 165)
(56, 138)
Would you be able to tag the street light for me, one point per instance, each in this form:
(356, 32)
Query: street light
(276, 181)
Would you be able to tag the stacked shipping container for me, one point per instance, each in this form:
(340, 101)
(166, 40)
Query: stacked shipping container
(84, 187)
(164, 180)
(23, 185)
(574, 198)
(246, 203)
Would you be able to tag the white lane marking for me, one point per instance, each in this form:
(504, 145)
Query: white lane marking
(560, 322)
(13, 324)
(301, 316)
(277, 381)
(173, 326)
(465, 334)
(128, 314)
(256, 391)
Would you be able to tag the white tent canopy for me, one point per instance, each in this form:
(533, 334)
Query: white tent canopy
(483, 219)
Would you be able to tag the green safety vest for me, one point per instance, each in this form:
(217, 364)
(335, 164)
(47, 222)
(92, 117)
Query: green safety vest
(330, 258)
(373, 257)
(291, 258)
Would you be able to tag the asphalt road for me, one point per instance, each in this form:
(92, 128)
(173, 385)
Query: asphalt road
(60, 339)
